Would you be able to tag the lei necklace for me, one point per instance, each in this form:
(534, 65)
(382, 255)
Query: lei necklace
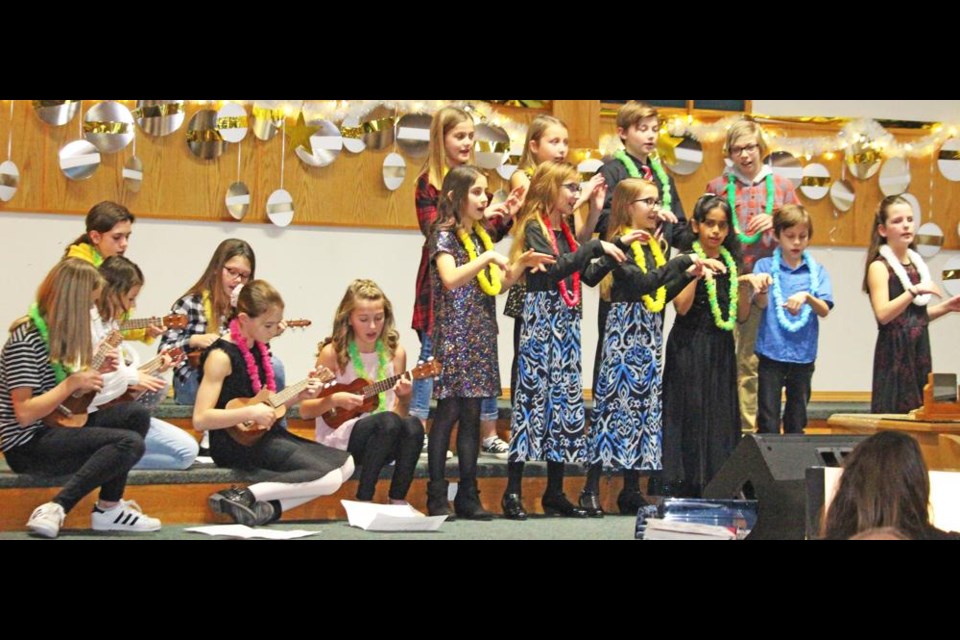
(252, 370)
(59, 370)
(362, 372)
(901, 273)
(633, 172)
(490, 286)
(792, 325)
(731, 321)
(652, 305)
(570, 300)
(732, 199)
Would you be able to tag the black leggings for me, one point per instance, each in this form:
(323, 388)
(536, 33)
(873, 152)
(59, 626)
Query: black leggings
(449, 411)
(379, 438)
(100, 454)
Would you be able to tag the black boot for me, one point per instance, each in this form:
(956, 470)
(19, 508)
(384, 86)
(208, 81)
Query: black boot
(512, 506)
(590, 502)
(437, 503)
(556, 504)
(467, 502)
(630, 502)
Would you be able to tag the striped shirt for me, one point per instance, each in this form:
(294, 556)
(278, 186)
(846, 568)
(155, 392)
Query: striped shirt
(24, 362)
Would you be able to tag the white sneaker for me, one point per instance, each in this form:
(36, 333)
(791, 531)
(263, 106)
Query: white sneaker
(495, 447)
(46, 520)
(126, 516)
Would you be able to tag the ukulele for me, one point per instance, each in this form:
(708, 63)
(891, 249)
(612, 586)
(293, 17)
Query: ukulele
(193, 358)
(72, 412)
(172, 321)
(150, 367)
(371, 391)
(248, 433)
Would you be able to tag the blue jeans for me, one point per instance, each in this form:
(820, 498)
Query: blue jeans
(167, 447)
(423, 388)
(185, 392)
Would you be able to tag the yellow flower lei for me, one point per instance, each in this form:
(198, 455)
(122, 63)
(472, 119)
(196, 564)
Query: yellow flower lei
(652, 305)
(490, 286)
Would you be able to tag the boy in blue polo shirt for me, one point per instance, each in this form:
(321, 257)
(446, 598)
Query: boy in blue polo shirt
(793, 290)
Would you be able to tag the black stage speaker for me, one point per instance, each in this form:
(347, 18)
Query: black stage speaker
(771, 469)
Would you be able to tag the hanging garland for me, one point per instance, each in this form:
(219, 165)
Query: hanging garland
(732, 199)
(792, 325)
(60, 371)
(731, 321)
(492, 285)
(252, 370)
(652, 305)
(634, 172)
(361, 372)
(570, 300)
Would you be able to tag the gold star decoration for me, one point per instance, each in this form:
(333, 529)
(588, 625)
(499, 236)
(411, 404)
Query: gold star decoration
(667, 146)
(300, 134)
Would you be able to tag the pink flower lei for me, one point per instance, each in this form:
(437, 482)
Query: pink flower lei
(252, 370)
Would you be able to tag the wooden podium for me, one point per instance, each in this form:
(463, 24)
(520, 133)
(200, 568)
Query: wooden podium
(935, 425)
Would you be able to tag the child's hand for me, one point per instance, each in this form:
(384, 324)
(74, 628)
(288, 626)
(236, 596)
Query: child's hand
(492, 257)
(154, 330)
(613, 251)
(928, 287)
(953, 304)
(85, 381)
(759, 223)
(598, 192)
(149, 383)
(111, 362)
(795, 302)
(637, 235)
(760, 281)
(260, 414)
(713, 265)
(587, 193)
(667, 216)
(535, 261)
(346, 400)
(165, 362)
(404, 386)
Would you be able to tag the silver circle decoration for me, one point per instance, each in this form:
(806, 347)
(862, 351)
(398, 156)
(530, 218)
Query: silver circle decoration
(588, 168)
(9, 180)
(280, 207)
(509, 165)
(56, 112)
(491, 145)
(894, 176)
(951, 276)
(237, 200)
(929, 239)
(266, 119)
(394, 171)
(783, 164)
(108, 126)
(915, 205)
(352, 131)
(413, 134)
(815, 183)
(862, 161)
(948, 160)
(688, 155)
(203, 139)
(379, 134)
(232, 122)
(325, 144)
(132, 174)
(842, 195)
(160, 117)
(79, 159)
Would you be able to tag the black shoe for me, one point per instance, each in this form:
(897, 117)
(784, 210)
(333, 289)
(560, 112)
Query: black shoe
(242, 506)
(467, 503)
(590, 502)
(437, 503)
(512, 507)
(630, 502)
(558, 505)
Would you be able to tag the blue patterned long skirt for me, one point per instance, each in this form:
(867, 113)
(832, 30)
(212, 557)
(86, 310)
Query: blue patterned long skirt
(548, 414)
(627, 419)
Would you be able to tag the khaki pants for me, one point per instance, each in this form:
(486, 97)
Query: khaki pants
(747, 365)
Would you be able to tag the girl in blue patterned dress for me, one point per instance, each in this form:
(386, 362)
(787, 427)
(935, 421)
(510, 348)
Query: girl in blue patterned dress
(625, 431)
(548, 415)
(466, 273)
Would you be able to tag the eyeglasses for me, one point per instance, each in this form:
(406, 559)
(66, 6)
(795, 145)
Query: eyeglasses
(234, 274)
(650, 202)
(749, 148)
(573, 187)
